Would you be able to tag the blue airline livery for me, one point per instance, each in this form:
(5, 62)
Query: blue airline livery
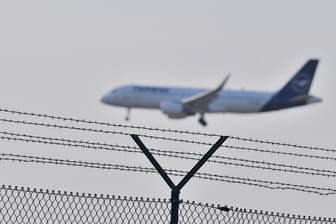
(182, 102)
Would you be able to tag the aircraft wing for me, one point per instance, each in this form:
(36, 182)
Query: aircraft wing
(201, 101)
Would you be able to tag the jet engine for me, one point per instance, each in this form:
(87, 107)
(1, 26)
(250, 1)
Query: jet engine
(173, 109)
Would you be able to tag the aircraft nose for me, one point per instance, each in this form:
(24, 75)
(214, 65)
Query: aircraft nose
(105, 99)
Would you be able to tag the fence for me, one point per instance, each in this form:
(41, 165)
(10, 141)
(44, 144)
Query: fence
(25, 205)
(294, 164)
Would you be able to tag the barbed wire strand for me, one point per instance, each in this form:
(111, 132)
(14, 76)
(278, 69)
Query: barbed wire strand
(164, 130)
(165, 138)
(172, 154)
(230, 179)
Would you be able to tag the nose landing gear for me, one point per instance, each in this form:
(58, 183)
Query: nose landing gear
(127, 118)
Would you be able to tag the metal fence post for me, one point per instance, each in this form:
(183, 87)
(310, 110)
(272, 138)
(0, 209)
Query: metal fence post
(175, 193)
(175, 202)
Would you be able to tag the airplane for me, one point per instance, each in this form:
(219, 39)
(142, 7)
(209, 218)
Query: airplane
(177, 102)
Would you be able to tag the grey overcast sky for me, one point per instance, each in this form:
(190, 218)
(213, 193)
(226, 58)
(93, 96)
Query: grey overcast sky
(58, 57)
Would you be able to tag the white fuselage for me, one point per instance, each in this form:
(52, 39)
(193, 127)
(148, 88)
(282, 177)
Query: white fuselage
(150, 97)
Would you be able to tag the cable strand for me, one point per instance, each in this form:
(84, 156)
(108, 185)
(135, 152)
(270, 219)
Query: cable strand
(169, 153)
(206, 176)
(268, 142)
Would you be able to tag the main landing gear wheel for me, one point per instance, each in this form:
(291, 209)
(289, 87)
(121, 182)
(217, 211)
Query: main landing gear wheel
(202, 121)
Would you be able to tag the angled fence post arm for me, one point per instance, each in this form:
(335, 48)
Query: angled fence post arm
(200, 163)
(175, 189)
(153, 161)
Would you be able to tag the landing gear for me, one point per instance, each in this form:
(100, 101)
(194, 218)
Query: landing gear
(127, 118)
(202, 121)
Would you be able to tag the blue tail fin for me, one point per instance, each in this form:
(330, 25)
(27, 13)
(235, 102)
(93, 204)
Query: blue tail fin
(295, 92)
(301, 82)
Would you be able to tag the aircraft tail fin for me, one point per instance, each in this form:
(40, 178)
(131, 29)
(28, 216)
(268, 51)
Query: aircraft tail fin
(296, 91)
(301, 82)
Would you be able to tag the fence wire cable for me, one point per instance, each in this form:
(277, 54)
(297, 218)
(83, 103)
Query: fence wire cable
(163, 130)
(172, 154)
(32, 204)
(164, 138)
(180, 173)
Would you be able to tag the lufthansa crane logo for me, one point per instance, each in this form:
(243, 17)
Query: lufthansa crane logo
(301, 83)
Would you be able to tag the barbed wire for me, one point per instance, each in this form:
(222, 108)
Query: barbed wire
(206, 176)
(164, 130)
(100, 131)
(172, 154)
(165, 138)
(310, 156)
